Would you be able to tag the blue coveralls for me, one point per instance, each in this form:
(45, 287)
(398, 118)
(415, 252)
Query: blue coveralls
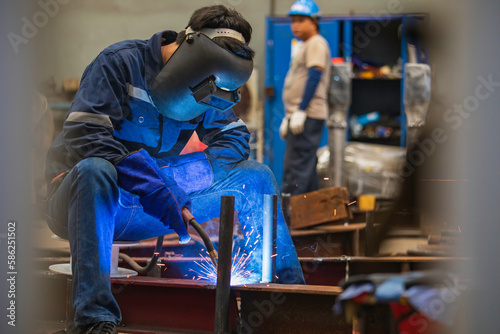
(112, 115)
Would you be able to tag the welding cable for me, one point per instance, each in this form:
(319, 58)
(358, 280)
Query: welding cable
(206, 240)
(152, 263)
(144, 270)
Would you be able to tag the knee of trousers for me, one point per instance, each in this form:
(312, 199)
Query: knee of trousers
(98, 172)
(258, 176)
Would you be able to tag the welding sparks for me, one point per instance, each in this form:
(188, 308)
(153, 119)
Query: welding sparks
(239, 273)
(241, 262)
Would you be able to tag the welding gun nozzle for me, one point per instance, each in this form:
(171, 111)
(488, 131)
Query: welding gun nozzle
(214, 257)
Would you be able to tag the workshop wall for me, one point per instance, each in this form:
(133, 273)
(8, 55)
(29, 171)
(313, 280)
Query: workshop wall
(78, 30)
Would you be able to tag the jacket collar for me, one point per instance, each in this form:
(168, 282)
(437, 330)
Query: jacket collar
(153, 58)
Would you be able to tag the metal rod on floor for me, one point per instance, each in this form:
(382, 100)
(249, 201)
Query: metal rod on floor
(269, 238)
(222, 296)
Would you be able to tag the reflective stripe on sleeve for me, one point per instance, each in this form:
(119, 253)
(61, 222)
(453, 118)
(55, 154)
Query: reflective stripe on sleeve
(138, 93)
(86, 117)
(206, 140)
(232, 125)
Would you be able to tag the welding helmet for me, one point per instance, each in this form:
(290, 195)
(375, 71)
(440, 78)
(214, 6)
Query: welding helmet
(200, 75)
(305, 8)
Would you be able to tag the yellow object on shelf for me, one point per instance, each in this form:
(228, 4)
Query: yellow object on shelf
(366, 75)
(366, 202)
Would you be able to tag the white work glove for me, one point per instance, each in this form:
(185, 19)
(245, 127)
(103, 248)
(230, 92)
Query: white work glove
(284, 127)
(297, 121)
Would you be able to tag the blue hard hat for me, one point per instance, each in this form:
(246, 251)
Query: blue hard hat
(305, 7)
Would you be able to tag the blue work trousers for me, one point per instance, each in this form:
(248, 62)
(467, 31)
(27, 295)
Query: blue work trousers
(90, 210)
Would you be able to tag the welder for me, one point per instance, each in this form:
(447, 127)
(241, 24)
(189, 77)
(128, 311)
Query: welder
(115, 171)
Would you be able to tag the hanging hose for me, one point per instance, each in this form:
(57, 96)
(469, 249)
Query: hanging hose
(152, 263)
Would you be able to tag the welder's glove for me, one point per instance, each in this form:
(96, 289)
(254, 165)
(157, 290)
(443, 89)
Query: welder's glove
(158, 193)
(284, 127)
(192, 171)
(297, 121)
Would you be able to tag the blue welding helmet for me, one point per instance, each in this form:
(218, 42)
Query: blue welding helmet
(200, 75)
(305, 8)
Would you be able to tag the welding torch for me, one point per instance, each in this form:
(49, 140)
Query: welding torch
(188, 218)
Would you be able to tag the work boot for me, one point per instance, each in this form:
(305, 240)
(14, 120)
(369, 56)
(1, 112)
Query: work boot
(103, 327)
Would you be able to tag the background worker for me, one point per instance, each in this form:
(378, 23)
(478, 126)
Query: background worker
(305, 100)
(115, 171)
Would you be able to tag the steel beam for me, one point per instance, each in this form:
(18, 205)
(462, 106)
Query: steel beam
(222, 298)
(159, 304)
(277, 308)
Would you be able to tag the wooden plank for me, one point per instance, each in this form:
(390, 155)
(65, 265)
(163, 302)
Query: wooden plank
(341, 228)
(291, 288)
(319, 207)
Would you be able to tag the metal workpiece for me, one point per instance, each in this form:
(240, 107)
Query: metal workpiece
(339, 100)
(269, 238)
(289, 308)
(339, 93)
(159, 305)
(222, 298)
(417, 94)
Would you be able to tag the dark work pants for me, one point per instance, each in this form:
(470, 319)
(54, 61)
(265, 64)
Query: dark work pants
(300, 159)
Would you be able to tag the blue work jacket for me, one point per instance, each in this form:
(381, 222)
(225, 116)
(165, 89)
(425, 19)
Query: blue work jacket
(112, 115)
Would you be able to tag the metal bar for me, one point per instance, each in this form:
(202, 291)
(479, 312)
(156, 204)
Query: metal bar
(339, 95)
(404, 60)
(275, 236)
(370, 248)
(222, 296)
(355, 243)
(337, 143)
(269, 238)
